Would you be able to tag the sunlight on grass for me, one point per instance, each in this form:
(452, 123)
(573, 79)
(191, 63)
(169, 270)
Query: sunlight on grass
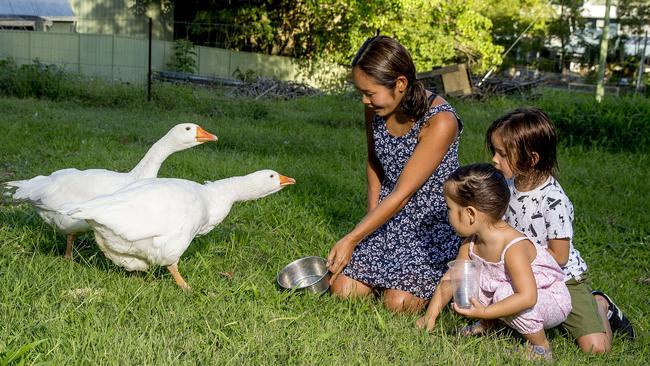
(89, 311)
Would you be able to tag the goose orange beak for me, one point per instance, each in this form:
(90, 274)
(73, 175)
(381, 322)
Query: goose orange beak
(285, 181)
(204, 136)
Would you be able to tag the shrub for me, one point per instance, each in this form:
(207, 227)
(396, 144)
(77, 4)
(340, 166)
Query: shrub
(615, 124)
(184, 57)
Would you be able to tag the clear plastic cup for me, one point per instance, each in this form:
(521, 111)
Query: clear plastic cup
(464, 279)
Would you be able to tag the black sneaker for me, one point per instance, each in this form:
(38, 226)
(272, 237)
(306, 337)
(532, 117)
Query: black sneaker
(617, 320)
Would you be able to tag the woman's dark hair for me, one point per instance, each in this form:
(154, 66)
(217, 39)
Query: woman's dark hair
(385, 59)
(525, 131)
(481, 186)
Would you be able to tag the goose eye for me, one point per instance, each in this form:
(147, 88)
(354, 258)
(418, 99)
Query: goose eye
(187, 128)
(272, 175)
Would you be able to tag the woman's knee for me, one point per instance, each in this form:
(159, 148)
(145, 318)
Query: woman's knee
(345, 287)
(402, 301)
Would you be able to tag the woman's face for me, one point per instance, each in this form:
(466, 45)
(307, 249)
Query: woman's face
(500, 159)
(382, 100)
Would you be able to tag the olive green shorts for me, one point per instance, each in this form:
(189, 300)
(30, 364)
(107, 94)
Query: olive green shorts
(584, 317)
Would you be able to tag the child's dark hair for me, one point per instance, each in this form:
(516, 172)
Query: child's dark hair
(479, 185)
(385, 59)
(527, 132)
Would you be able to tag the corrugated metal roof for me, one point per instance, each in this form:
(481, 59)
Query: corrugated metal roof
(35, 8)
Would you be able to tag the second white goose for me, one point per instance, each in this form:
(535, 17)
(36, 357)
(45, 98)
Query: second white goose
(153, 221)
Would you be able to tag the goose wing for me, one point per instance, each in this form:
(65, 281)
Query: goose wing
(67, 186)
(147, 209)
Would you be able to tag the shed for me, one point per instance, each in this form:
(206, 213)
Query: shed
(451, 80)
(37, 15)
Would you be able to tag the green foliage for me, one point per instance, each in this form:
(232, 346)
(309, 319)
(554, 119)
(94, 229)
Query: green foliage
(437, 33)
(510, 18)
(615, 124)
(184, 57)
(634, 14)
(36, 79)
(443, 32)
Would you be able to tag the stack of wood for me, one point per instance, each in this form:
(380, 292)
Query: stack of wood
(261, 87)
(495, 86)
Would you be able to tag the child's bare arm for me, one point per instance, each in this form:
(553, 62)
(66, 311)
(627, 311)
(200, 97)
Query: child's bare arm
(442, 295)
(517, 263)
(559, 250)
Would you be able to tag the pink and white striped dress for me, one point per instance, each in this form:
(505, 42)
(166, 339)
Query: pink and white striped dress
(553, 299)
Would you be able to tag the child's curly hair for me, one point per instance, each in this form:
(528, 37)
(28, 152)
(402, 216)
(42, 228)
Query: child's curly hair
(479, 185)
(530, 141)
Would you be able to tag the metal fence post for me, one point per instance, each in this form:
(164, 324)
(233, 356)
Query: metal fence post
(149, 62)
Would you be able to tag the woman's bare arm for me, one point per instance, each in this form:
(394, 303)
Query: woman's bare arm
(373, 168)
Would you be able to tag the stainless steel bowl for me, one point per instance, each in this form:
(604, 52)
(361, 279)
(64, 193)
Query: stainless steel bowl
(307, 274)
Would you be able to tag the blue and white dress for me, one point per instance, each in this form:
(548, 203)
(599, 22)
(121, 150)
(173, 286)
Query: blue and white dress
(411, 250)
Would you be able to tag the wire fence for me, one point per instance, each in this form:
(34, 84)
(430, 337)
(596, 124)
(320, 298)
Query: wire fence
(117, 49)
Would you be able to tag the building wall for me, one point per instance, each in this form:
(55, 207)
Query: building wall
(117, 17)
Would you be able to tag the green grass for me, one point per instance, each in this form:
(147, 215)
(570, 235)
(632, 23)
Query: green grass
(88, 311)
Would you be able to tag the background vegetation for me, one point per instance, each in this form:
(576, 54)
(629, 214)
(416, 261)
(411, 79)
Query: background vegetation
(436, 32)
(88, 311)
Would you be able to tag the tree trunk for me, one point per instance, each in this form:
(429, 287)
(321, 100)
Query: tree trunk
(600, 86)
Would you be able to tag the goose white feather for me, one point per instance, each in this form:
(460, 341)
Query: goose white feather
(153, 221)
(49, 193)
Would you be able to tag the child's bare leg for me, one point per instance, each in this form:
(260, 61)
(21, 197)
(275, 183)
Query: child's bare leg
(538, 346)
(598, 342)
(538, 339)
(345, 287)
(403, 302)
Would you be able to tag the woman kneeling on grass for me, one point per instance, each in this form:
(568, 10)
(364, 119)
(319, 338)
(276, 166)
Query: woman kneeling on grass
(520, 282)
(404, 242)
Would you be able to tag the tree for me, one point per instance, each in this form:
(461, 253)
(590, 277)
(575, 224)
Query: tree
(568, 21)
(634, 15)
(436, 32)
(602, 60)
(511, 18)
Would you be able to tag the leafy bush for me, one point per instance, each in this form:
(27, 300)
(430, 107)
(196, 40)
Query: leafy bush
(184, 57)
(615, 124)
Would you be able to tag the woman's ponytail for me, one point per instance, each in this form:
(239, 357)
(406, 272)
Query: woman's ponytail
(415, 102)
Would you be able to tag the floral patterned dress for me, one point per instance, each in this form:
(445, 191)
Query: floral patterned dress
(411, 250)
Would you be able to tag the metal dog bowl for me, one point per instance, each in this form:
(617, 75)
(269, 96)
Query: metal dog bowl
(307, 274)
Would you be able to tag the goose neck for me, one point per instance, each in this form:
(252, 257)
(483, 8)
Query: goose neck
(150, 164)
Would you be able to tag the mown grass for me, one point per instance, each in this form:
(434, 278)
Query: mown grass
(88, 311)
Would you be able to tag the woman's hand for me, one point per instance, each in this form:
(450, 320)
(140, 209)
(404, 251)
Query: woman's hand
(339, 256)
(426, 322)
(477, 310)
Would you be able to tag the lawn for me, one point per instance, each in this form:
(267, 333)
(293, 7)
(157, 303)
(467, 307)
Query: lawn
(89, 311)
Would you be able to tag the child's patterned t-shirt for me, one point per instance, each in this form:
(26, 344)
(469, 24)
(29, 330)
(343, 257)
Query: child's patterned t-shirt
(546, 213)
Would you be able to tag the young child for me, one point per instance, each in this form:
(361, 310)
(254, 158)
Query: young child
(520, 283)
(523, 144)
(402, 245)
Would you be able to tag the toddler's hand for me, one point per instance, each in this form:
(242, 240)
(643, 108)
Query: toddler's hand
(427, 322)
(477, 310)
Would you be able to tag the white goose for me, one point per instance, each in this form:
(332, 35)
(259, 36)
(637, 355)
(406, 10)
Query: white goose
(153, 221)
(49, 193)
